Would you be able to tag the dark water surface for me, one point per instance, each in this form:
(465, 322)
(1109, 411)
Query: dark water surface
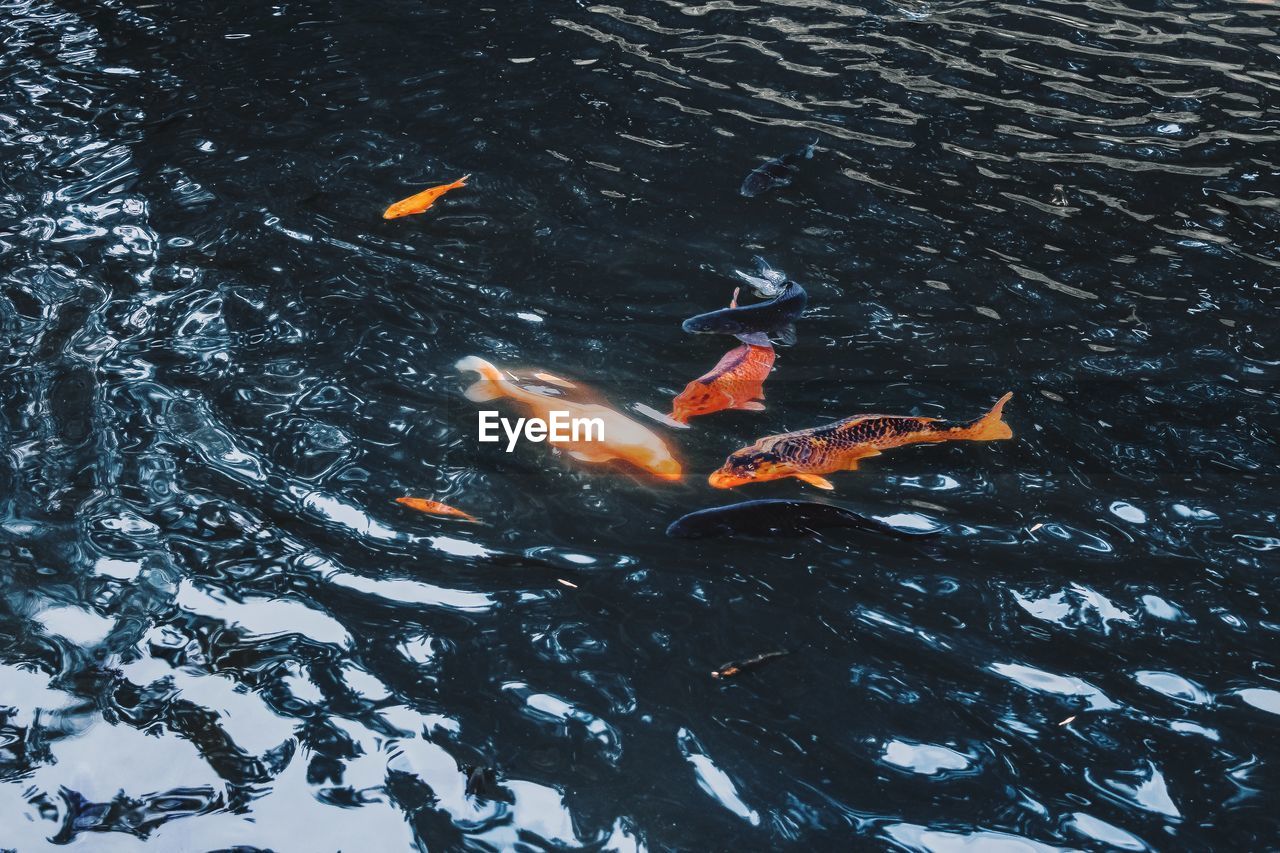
(217, 629)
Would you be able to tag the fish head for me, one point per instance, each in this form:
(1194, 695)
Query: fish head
(652, 454)
(753, 464)
(698, 398)
(666, 467)
(701, 324)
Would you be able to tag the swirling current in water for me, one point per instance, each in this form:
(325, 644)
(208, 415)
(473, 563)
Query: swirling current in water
(221, 366)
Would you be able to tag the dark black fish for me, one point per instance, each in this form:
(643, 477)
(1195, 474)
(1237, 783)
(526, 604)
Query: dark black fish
(729, 670)
(754, 324)
(778, 172)
(482, 781)
(780, 518)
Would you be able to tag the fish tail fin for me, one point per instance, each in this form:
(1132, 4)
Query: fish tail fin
(461, 182)
(491, 384)
(808, 151)
(991, 426)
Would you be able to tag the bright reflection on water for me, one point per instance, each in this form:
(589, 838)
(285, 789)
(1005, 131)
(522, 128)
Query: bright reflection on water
(218, 630)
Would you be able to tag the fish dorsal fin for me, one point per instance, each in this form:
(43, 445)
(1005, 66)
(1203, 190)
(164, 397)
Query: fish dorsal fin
(857, 419)
(757, 283)
(769, 442)
(852, 421)
(815, 480)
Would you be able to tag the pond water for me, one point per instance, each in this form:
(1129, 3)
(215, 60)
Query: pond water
(218, 630)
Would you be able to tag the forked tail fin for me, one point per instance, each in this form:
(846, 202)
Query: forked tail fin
(990, 427)
(490, 384)
(461, 182)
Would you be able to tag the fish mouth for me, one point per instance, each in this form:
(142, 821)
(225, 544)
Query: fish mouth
(668, 470)
(722, 479)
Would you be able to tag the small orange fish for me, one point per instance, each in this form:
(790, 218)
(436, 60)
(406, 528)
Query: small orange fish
(423, 200)
(435, 508)
(808, 453)
(736, 382)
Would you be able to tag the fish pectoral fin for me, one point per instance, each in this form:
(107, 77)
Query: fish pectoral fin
(815, 480)
(750, 407)
(584, 456)
(787, 335)
(756, 339)
(852, 464)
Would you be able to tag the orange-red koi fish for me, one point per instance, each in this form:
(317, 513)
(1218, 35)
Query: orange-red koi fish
(809, 453)
(617, 436)
(435, 508)
(423, 200)
(736, 382)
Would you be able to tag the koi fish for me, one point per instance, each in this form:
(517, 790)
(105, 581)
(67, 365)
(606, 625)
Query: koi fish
(809, 453)
(419, 202)
(777, 173)
(435, 508)
(736, 382)
(754, 324)
(782, 518)
(622, 437)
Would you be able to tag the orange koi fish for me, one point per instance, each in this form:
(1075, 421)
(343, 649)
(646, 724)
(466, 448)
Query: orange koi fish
(807, 454)
(435, 508)
(736, 382)
(617, 436)
(420, 202)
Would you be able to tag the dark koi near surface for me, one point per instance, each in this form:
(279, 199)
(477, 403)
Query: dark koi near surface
(807, 454)
(776, 173)
(736, 382)
(755, 324)
(781, 518)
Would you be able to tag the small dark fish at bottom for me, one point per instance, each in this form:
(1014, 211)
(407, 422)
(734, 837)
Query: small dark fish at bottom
(774, 517)
(482, 782)
(776, 173)
(729, 670)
